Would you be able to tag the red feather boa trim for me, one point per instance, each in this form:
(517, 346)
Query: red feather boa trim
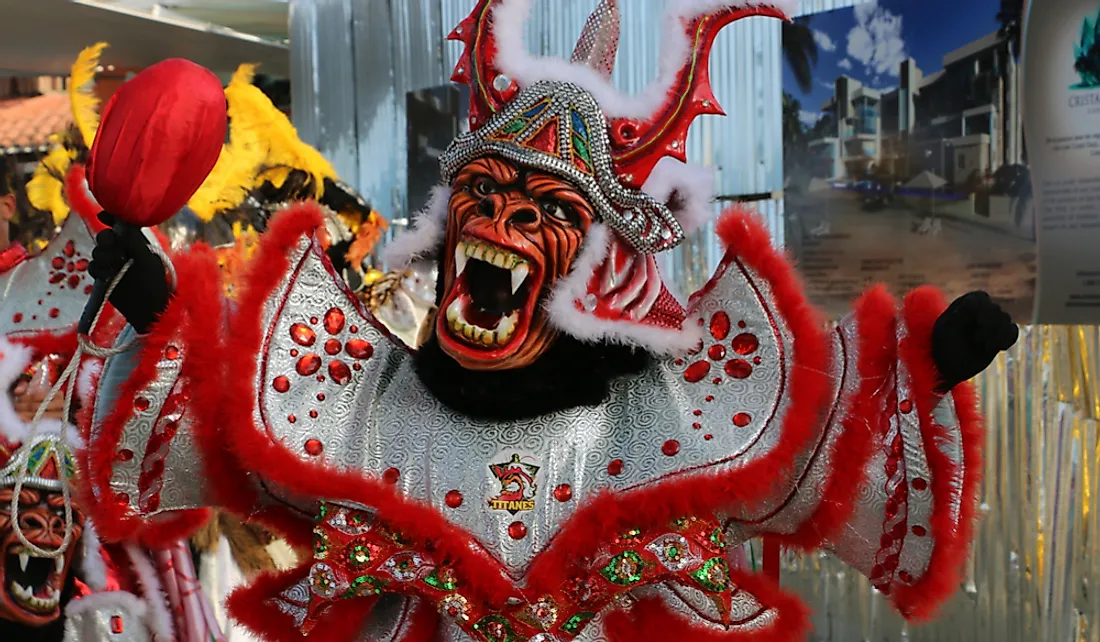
(651, 620)
(192, 317)
(952, 540)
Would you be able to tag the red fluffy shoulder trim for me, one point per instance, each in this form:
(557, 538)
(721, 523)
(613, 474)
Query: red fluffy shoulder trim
(921, 600)
(651, 620)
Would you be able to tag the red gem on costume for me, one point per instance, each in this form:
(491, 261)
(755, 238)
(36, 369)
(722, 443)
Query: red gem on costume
(281, 384)
(320, 396)
(87, 289)
(885, 541)
(356, 367)
(738, 368)
(312, 414)
(292, 419)
(697, 371)
(339, 372)
(919, 531)
(70, 267)
(18, 318)
(720, 326)
(453, 499)
(359, 349)
(615, 468)
(116, 624)
(679, 362)
(742, 324)
(742, 419)
(517, 530)
(905, 577)
(717, 352)
(82, 265)
(919, 484)
(308, 365)
(697, 426)
(313, 320)
(74, 280)
(54, 313)
(745, 343)
(716, 380)
(303, 335)
(294, 352)
(756, 360)
(172, 353)
(125, 454)
(708, 437)
(122, 499)
(563, 493)
(906, 406)
(57, 263)
(141, 404)
(354, 329)
(314, 447)
(70, 249)
(391, 475)
(334, 321)
(333, 347)
(710, 398)
(697, 413)
(57, 278)
(671, 448)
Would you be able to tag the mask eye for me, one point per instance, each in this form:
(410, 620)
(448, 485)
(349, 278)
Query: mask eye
(485, 187)
(559, 212)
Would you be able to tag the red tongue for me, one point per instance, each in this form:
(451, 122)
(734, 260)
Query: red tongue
(480, 318)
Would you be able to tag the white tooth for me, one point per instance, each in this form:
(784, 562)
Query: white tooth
(23, 559)
(479, 252)
(519, 275)
(21, 591)
(460, 259)
(58, 564)
(469, 248)
(499, 260)
(454, 310)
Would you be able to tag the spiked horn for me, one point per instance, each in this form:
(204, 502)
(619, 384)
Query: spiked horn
(599, 42)
(476, 68)
(638, 146)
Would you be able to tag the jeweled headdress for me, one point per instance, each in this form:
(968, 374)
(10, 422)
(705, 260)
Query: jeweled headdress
(627, 154)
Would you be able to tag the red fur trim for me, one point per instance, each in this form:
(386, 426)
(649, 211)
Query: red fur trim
(47, 343)
(952, 541)
(876, 324)
(651, 620)
(253, 606)
(76, 195)
(195, 310)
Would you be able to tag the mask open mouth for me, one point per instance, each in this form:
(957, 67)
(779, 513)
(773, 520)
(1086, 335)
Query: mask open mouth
(33, 583)
(489, 307)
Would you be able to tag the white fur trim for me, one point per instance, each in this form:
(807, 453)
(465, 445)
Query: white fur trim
(426, 234)
(160, 619)
(111, 602)
(93, 569)
(515, 60)
(564, 315)
(14, 359)
(694, 184)
(86, 379)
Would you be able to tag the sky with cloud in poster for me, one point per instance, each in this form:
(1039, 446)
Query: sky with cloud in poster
(867, 42)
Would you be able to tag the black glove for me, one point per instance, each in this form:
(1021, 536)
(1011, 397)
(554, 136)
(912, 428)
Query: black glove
(142, 294)
(968, 336)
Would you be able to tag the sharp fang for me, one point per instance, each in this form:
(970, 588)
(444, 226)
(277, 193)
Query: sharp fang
(23, 559)
(460, 259)
(519, 275)
(58, 564)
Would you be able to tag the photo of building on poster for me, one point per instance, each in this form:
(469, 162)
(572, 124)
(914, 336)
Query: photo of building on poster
(904, 154)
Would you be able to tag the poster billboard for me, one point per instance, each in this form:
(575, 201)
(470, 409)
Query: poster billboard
(904, 154)
(434, 117)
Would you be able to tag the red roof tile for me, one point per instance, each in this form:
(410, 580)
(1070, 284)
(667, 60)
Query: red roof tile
(26, 124)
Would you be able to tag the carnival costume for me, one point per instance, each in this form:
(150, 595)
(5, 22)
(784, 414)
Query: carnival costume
(573, 453)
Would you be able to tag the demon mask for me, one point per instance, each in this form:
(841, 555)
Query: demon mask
(512, 233)
(33, 585)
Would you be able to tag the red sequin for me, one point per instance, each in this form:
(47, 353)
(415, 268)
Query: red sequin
(710, 398)
(125, 454)
(172, 353)
(57, 278)
(391, 475)
(308, 365)
(70, 267)
(281, 384)
(74, 281)
(116, 624)
(679, 362)
(720, 326)
(742, 419)
(87, 289)
(756, 360)
(716, 380)
(356, 367)
(314, 447)
(360, 349)
(354, 329)
(708, 437)
(671, 448)
(313, 320)
(339, 372)
(517, 530)
(919, 531)
(70, 249)
(697, 371)
(453, 499)
(697, 413)
(334, 321)
(717, 352)
(742, 325)
(320, 396)
(738, 368)
(302, 334)
(141, 404)
(333, 347)
(563, 493)
(615, 468)
(745, 343)
(697, 426)
(919, 484)
(906, 406)
(905, 577)
(292, 419)
(57, 263)
(294, 352)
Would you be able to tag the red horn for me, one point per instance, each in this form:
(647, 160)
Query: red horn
(477, 65)
(638, 146)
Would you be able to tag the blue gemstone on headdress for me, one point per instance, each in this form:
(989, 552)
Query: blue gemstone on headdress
(536, 110)
(578, 125)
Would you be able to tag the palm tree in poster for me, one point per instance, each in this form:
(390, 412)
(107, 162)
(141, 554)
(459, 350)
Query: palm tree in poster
(800, 51)
(1011, 17)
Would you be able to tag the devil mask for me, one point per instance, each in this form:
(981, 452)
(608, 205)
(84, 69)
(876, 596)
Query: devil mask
(32, 585)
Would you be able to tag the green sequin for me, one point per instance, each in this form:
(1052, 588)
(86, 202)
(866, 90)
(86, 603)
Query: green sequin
(320, 544)
(718, 538)
(360, 555)
(574, 624)
(714, 576)
(322, 512)
(445, 582)
(495, 628)
(624, 569)
(365, 585)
